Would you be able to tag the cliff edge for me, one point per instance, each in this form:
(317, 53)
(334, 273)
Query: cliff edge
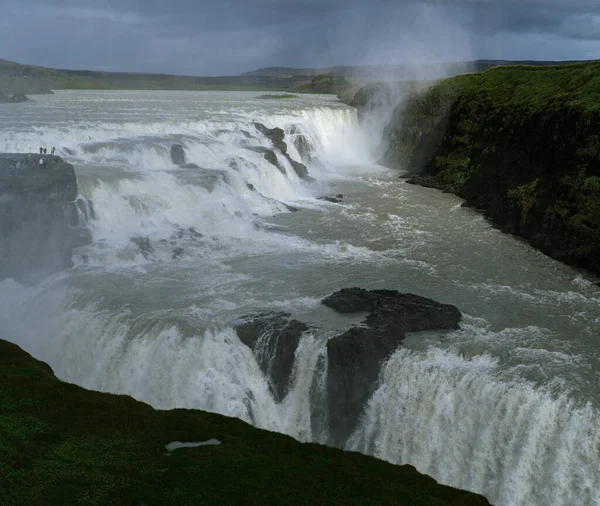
(522, 144)
(41, 217)
(61, 444)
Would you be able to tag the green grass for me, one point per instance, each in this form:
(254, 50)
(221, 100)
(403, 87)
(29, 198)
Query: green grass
(61, 445)
(533, 88)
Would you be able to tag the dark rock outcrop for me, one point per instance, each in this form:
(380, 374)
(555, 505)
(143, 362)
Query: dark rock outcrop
(271, 157)
(144, 244)
(274, 338)
(299, 168)
(13, 99)
(301, 143)
(356, 356)
(178, 154)
(334, 199)
(277, 136)
(40, 217)
(528, 158)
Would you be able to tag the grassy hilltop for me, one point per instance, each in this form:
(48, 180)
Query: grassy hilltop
(521, 143)
(61, 444)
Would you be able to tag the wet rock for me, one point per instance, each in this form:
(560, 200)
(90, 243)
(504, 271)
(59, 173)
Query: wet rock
(177, 154)
(426, 181)
(405, 311)
(356, 356)
(301, 143)
(274, 338)
(13, 99)
(275, 135)
(144, 244)
(271, 157)
(190, 233)
(354, 363)
(80, 237)
(299, 168)
(194, 233)
(87, 209)
(331, 198)
(189, 166)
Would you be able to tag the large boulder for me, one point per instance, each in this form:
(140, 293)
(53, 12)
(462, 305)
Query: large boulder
(355, 357)
(274, 338)
(392, 309)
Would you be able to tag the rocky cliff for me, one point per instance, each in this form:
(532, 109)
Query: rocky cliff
(61, 444)
(522, 144)
(41, 218)
(354, 357)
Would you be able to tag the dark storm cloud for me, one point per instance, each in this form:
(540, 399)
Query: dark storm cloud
(232, 36)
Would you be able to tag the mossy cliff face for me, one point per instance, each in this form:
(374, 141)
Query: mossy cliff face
(520, 143)
(61, 444)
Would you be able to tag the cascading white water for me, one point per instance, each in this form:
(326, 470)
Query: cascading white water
(452, 418)
(158, 324)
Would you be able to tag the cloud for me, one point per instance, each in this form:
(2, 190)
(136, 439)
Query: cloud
(232, 36)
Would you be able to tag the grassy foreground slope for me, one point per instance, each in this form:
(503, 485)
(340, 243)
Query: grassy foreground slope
(61, 444)
(521, 143)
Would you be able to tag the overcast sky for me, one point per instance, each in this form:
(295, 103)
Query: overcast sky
(226, 37)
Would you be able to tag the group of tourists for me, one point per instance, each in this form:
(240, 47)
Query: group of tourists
(33, 162)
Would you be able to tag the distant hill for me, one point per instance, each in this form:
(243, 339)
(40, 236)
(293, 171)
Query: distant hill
(397, 72)
(25, 79)
(29, 79)
(16, 78)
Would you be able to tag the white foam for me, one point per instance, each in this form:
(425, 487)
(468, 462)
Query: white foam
(452, 419)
